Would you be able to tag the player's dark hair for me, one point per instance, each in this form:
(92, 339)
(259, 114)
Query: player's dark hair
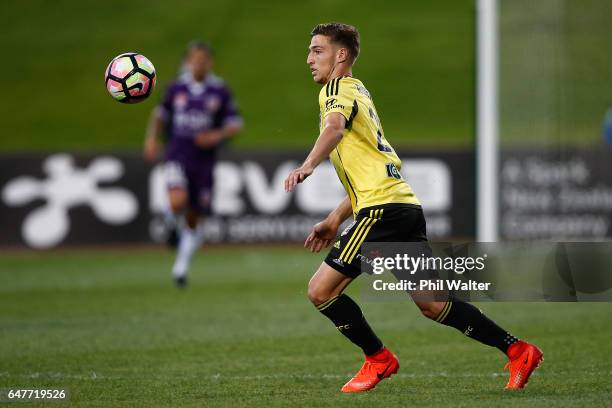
(200, 46)
(343, 34)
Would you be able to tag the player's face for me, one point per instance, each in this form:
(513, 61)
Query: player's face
(199, 63)
(321, 58)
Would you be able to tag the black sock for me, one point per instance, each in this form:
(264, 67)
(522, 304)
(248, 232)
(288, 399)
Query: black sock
(473, 323)
(349, 319)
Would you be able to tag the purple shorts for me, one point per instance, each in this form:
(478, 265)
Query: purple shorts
(196, 178)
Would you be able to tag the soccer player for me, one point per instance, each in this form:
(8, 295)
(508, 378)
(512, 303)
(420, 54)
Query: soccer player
(198, 114)
(384, 208)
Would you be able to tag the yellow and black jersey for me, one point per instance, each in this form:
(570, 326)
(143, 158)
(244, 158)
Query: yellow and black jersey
(366, 164)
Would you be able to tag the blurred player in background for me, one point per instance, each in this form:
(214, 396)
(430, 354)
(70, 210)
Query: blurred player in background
(197, 114)
(385, 209)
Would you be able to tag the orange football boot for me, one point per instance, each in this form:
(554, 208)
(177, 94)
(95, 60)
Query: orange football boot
(524, 358)
(376, 368)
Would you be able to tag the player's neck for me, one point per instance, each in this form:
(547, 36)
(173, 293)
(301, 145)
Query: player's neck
(340, 74)
(199, 79)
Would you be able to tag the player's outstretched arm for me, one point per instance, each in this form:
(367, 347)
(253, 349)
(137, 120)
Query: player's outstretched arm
(328, 139)
(154, 129)
(231, 129)
(325, 231)
(212, 138)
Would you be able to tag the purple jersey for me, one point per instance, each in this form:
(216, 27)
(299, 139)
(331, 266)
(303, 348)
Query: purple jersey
(188, 108)
(191, 107)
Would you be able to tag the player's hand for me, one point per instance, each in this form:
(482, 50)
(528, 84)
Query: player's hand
(151, 149)
(297, 176)
(320, 237)
(209, 138)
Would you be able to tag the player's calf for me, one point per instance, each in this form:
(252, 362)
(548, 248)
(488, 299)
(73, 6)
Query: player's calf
(318, 295)
(325, 292)
(469, 320)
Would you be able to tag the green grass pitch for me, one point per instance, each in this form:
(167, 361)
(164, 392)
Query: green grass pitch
(109, 326)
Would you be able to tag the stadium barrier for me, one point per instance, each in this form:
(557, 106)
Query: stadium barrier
(563, 194)
(55, 199)
(48, 200)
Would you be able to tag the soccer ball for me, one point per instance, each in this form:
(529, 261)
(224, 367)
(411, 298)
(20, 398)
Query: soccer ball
(130, 78)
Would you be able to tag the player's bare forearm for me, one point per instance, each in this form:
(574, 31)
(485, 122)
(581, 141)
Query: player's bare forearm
(155, 125)
(231, 129)
(325, 231)
(154, 129)
(213, 137)
(326, 142)
(341, 213)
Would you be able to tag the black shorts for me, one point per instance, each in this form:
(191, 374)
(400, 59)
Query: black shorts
(380, 223)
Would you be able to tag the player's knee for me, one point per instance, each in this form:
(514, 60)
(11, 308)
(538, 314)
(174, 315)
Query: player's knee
(177, 200)
(431, 310)
(178, 207)
(428, 313)
(314, 295)
(192, 218)
(317, 295)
